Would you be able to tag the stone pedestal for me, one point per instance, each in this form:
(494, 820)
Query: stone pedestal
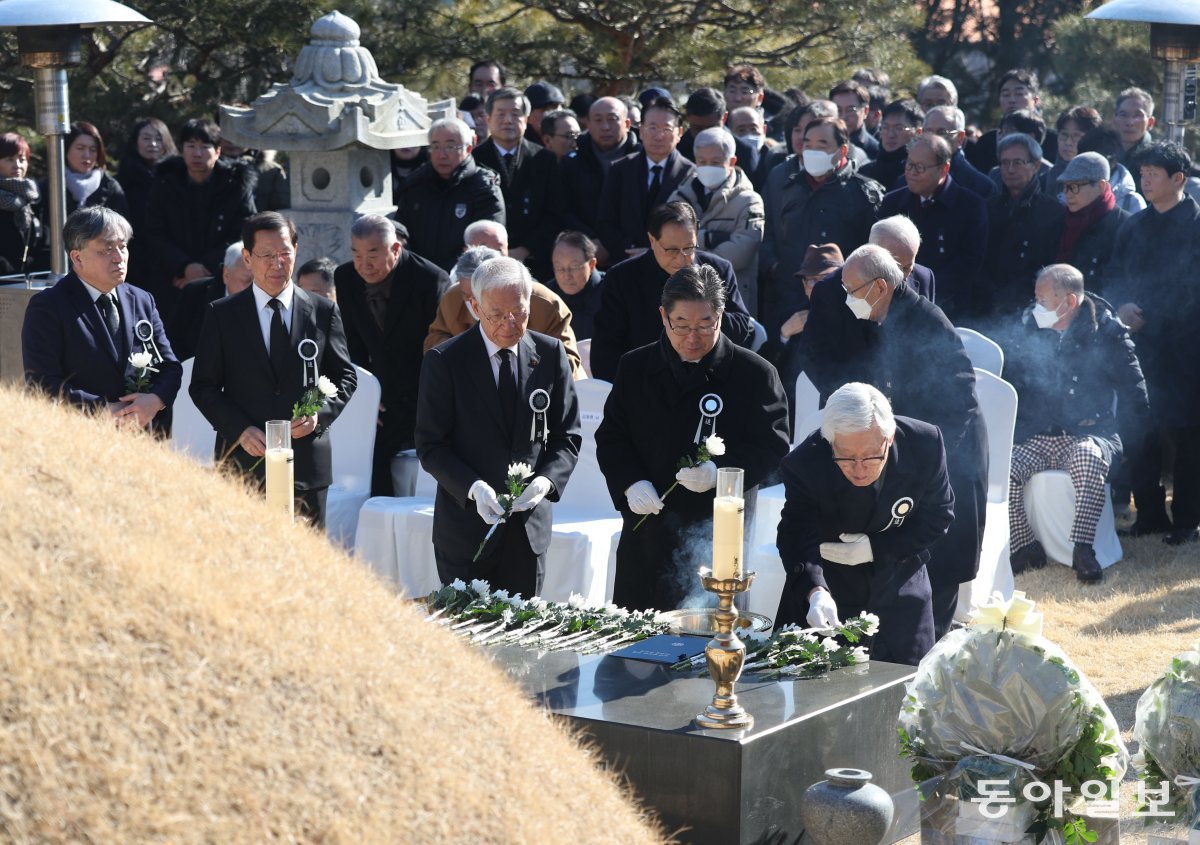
(337, 120)
(727, 786)
(14, 298)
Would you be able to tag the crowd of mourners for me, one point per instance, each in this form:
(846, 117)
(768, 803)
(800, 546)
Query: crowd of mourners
(1067, 239)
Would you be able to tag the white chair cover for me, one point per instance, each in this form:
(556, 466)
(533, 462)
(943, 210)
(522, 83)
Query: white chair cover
(998, 402)
(352, 440)
(585, 354)
(984, 352)
(769, 506)
(191, 433)
(1050, 506)
(769, 579)
(808, 402)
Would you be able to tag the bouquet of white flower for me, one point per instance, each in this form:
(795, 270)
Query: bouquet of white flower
(712, 447)
(995, 711)
(1168, 728)
(312, 400)
(143, 365)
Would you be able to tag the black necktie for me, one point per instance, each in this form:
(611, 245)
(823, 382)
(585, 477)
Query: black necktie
(507, 161)
(279, 340)
(655, 186)
(507, 388)
(112, 318)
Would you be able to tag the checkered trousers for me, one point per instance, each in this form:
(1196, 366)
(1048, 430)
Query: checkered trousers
(1083, 460)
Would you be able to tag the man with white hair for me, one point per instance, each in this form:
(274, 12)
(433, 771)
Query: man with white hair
(903, 344)
(729, 212)
(951, 124)
(935, 91)
(496, 395)
(388, 295)
(866, 497)
(457, 310)
(447, 193)
(184, 330)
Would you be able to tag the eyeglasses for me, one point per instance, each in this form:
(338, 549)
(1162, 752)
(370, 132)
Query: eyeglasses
(570, 269)
(743, 90)
(917, 169)
(570, 136)
(897, 129)
(945, 133)
(112, 248)
(868, 463)
(446, 149)
(684, 331)
(860, 287)
(1010, 163)
(1072, 188)
(512, 316)
(274, 257)
(685, 251)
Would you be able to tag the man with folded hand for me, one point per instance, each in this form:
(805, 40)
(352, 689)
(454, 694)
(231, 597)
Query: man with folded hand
(866, 496)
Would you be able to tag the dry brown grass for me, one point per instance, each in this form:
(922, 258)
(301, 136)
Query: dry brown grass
(179, 665)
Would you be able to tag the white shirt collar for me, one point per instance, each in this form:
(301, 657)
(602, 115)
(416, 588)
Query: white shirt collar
(504, 151)
(95, 293)
(261, 297)
(492, 348)
(652, 163)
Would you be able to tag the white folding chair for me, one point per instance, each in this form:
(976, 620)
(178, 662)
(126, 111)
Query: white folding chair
(191, 433)
(585, 354)
(808, 402)
(984, 352)
(352, 440)
(1050, 507)
(998, 402)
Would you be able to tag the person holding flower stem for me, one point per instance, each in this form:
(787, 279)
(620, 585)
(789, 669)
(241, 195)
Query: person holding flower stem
(248, 367)
(78, 337)
(671, 403)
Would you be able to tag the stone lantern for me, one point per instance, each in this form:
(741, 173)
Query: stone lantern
(337, 120)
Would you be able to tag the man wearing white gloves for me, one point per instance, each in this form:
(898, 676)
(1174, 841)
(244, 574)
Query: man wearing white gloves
(669, 397)
(496, 395)
(866, 497)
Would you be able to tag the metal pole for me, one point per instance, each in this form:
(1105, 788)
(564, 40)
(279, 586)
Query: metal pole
(1173, 99)
(54, 121)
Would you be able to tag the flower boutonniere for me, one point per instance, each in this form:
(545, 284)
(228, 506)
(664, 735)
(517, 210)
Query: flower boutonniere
(143, 365)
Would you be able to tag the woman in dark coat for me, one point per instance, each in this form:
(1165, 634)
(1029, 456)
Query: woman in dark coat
(653, 418)
(149, 143)
(19, 227)
(87, 181)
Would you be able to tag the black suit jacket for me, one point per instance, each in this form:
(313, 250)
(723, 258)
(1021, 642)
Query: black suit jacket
(533, 200)
(68, 350)
(621, 220)
(394, 354)
(583, 176)
(194, 300)
(629, 300)
(234, 386)
(461, 438)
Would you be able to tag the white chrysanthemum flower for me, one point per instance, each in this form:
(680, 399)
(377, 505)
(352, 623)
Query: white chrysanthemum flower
(537, 603)
(859, 654)
(141, 360)
(830, 644)
(517, 603)
(327, 387)
(808, 637)
(576, 601)
(519, 470)
(500, 595)
(872, 626)
(458, 584)
(481, 587)
(715, 445)
(616, 610)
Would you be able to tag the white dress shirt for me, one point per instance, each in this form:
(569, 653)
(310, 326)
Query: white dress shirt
(494, 357)
(263, 309)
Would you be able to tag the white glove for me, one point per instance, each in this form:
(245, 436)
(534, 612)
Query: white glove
(489, 507)
(643, 498)
(698, 479)
(823, 612)
(534, 493)
(853, 550)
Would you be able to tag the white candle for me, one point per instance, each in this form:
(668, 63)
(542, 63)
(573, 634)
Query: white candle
(280, 481)
(728, 528)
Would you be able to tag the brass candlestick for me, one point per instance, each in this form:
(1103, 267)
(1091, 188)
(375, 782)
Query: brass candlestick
(726, 654)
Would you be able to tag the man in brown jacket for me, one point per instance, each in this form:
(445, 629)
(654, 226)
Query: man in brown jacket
(548, 314)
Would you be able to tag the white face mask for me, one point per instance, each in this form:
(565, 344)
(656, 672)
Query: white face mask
(1044, 317)
(753, 141)
(860, 307)
(711, 176)
(817, 162)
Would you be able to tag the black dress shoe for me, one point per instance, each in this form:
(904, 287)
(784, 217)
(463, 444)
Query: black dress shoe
(1032, 556)
(1083, 561)
(1179, 538)
(1145, 527)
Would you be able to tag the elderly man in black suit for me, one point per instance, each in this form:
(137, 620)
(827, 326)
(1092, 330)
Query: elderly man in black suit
(629, 299)
(79, 336)
(642, 181)
(903, 344)
(490, 397)
(866, 498)
(669, 396)
(185, 326)
(248, 367)
(388, 295)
